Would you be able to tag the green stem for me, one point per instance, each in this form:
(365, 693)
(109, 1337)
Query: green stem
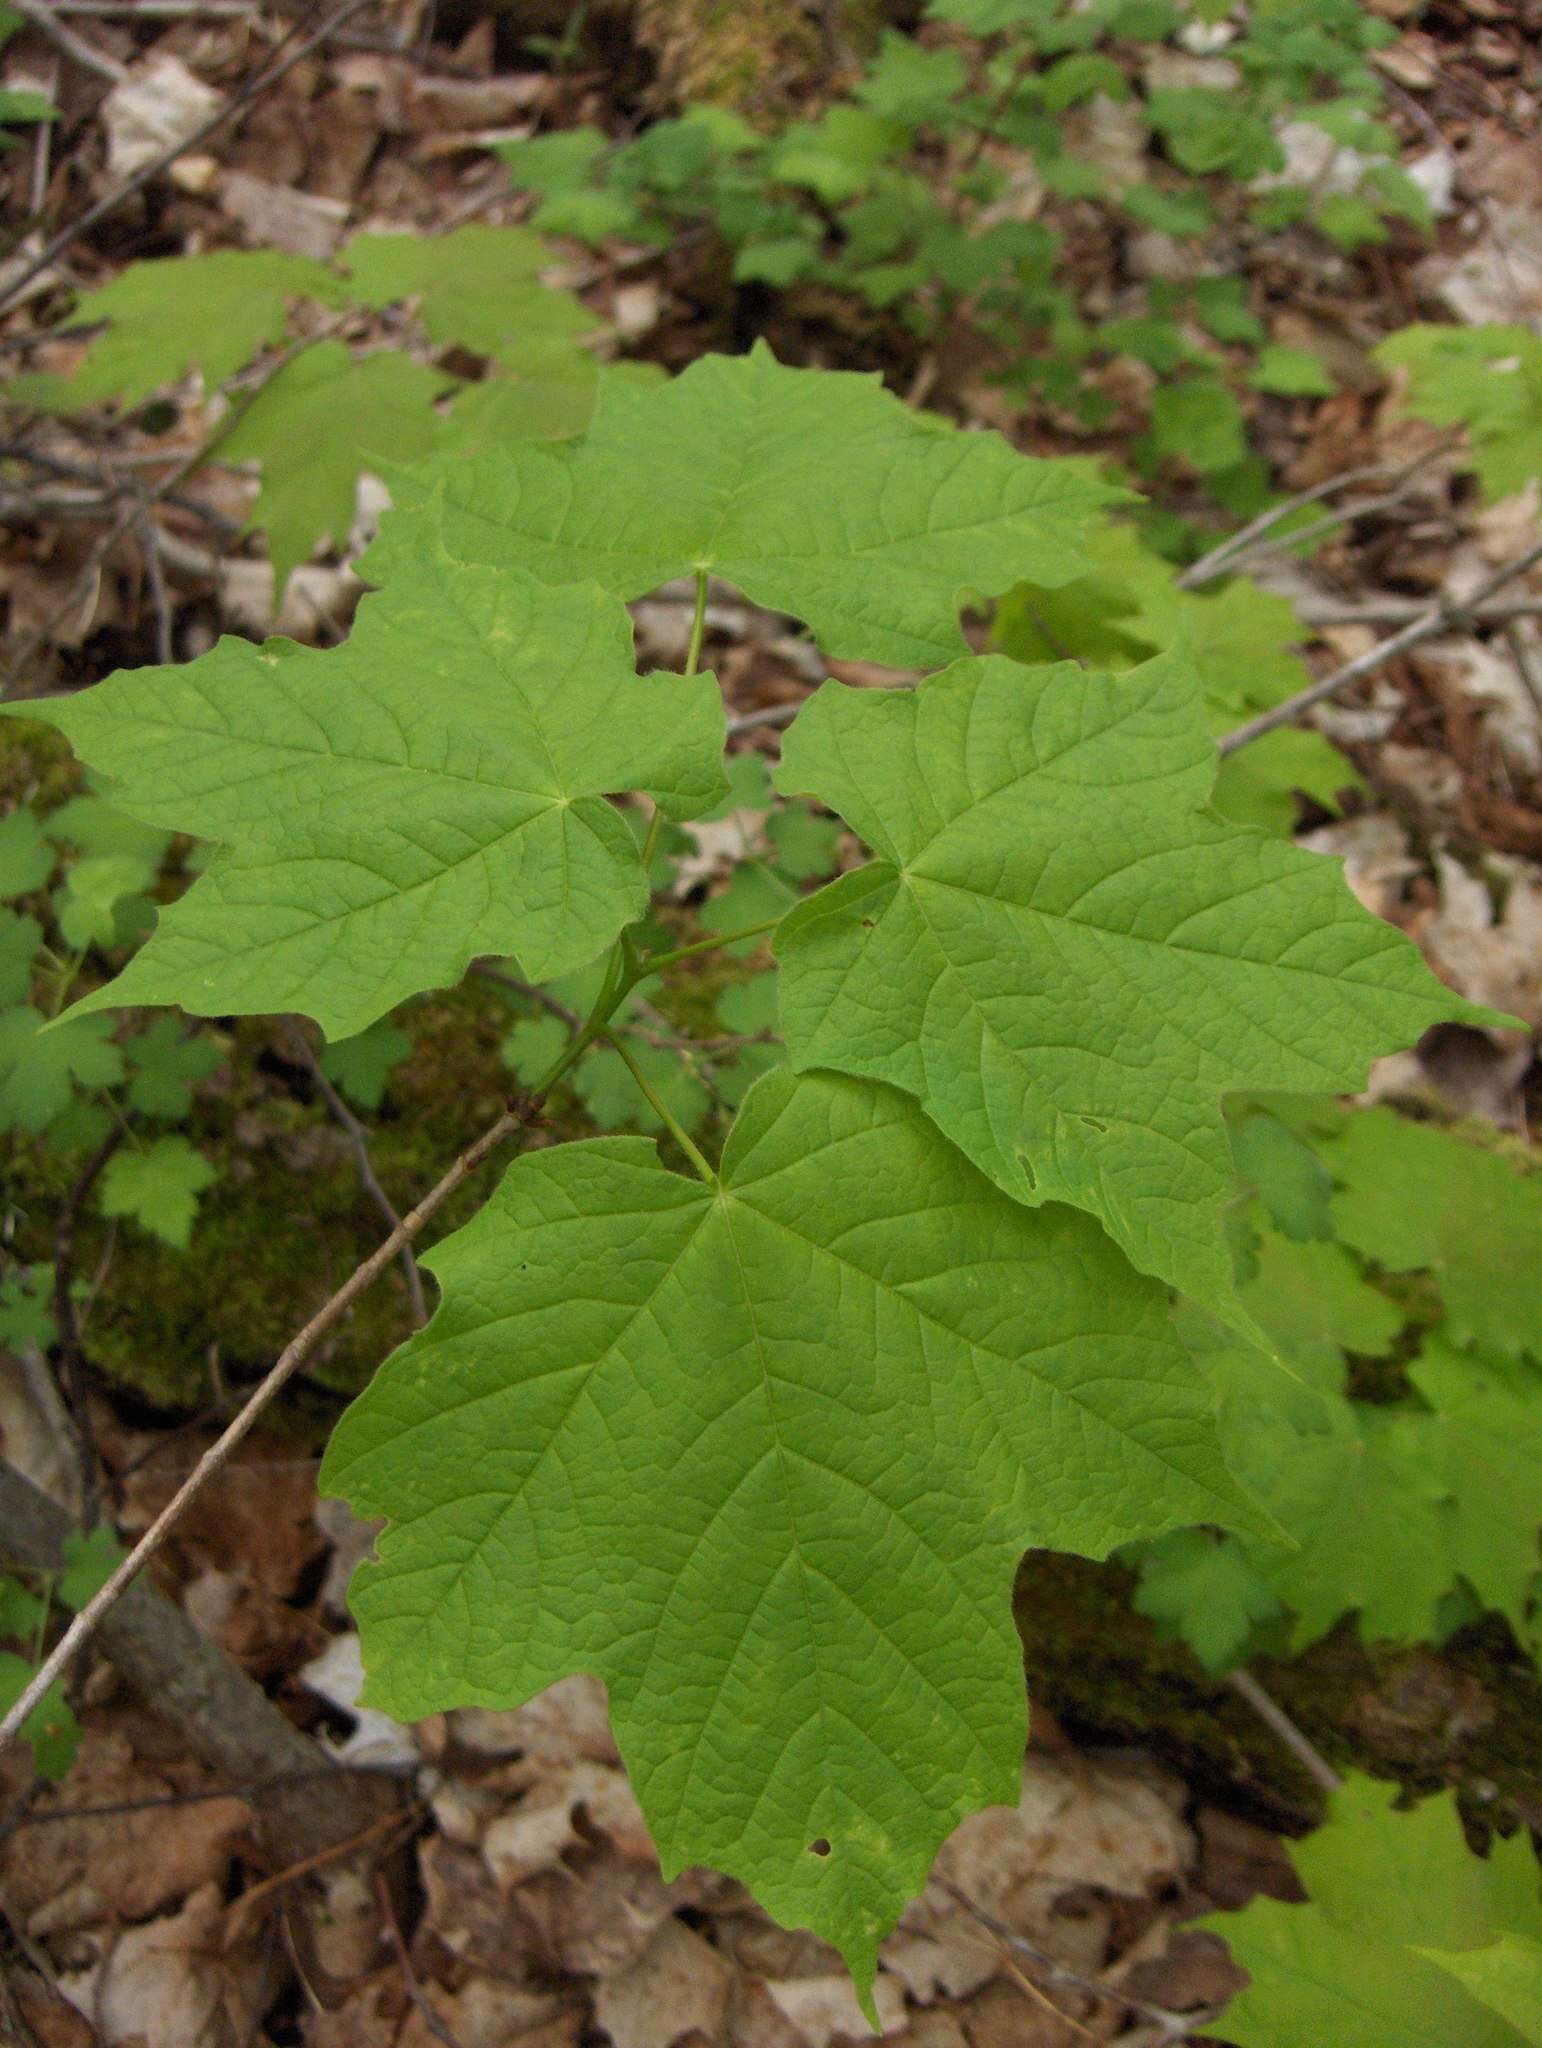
(67, 976)
(698, 624)
(656, 961)
(692, 661)
(656, 1104)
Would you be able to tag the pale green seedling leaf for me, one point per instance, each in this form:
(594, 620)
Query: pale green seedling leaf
(1488, 379)
(90, 1559)
(96, 903)
(26, 1316)
(50, 1730)
(804, 842)
(315, 427)
(546, 393)
(880, 1379)
(816, 493)
(361, 1066)
(1291, 372)
(26, 858)
(1414, 1196)
(1506, 1977)
(20, 939)
(1207, 1592)
(1313, 1302)
(476, 285)
(41, 1065)
(1064, 957)
(1286, 1175)
(167, 1063)
(158, 1187)
(174, 314)
(1487, 1437)
(432, 790)
(1352, 1966)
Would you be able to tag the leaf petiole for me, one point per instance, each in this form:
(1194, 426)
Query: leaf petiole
(656, 961)
(656, 1104)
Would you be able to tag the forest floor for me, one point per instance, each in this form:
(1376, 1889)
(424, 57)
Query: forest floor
(510, 1894)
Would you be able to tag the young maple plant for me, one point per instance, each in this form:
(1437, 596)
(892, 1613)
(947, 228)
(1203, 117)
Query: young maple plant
(760, 1444)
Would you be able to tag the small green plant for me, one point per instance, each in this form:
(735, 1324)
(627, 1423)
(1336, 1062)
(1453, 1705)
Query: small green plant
(81, 879)
(327, 410)
(760, 1438)
(51, 1730)
(910, 195)
(1486, 379)
(1406, 1936)
(1375, 1253)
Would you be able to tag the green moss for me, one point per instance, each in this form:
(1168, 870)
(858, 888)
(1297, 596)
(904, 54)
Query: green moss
(1468, 1714)
(287, 1220)
(36, 766)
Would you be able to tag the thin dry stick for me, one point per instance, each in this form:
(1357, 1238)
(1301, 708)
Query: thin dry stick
(290, 1360)
(159, 10)
(1275, 1717)
(1220, 559)
(358, 1138)
(140, 506)
(435, 2022)
(284, 61)
(44, 17)
(1438, 619)
(1175, 2025)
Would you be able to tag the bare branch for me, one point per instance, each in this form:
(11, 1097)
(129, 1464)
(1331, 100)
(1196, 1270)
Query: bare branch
(1275, 1717)
(44, 17)
(1440, 618)
(358, 1138)
(294, 1355)
(285, 58)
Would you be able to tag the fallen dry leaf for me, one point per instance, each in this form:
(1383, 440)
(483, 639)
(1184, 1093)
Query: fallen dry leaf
(678, 1986)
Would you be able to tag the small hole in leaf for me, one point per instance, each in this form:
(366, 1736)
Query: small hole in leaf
(819, 1848)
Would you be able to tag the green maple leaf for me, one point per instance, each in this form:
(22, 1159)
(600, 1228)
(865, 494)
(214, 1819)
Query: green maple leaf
(1415, 1196)
(50, 1730)
(1487, 1436)
(548, 394)
(26, 858)
(1206, 1591)
(1506, 1977)
(1352, 1966)
(476, 286)
(166, 1064)
(174, 314)
(315, 426)
(1063, 957)
(1312, 1300)
(1488, 379)
(1286, 1175)
(391, 808)
(1240, 638)
(20, 939)
(814, 492)
(883, 1379)
(159, 1187)
(41, 1065)
(1322, 1465)
(90, 1559)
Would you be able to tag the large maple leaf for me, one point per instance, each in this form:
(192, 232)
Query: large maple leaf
(433, 789)
(1064, 956)
(768, 1471)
